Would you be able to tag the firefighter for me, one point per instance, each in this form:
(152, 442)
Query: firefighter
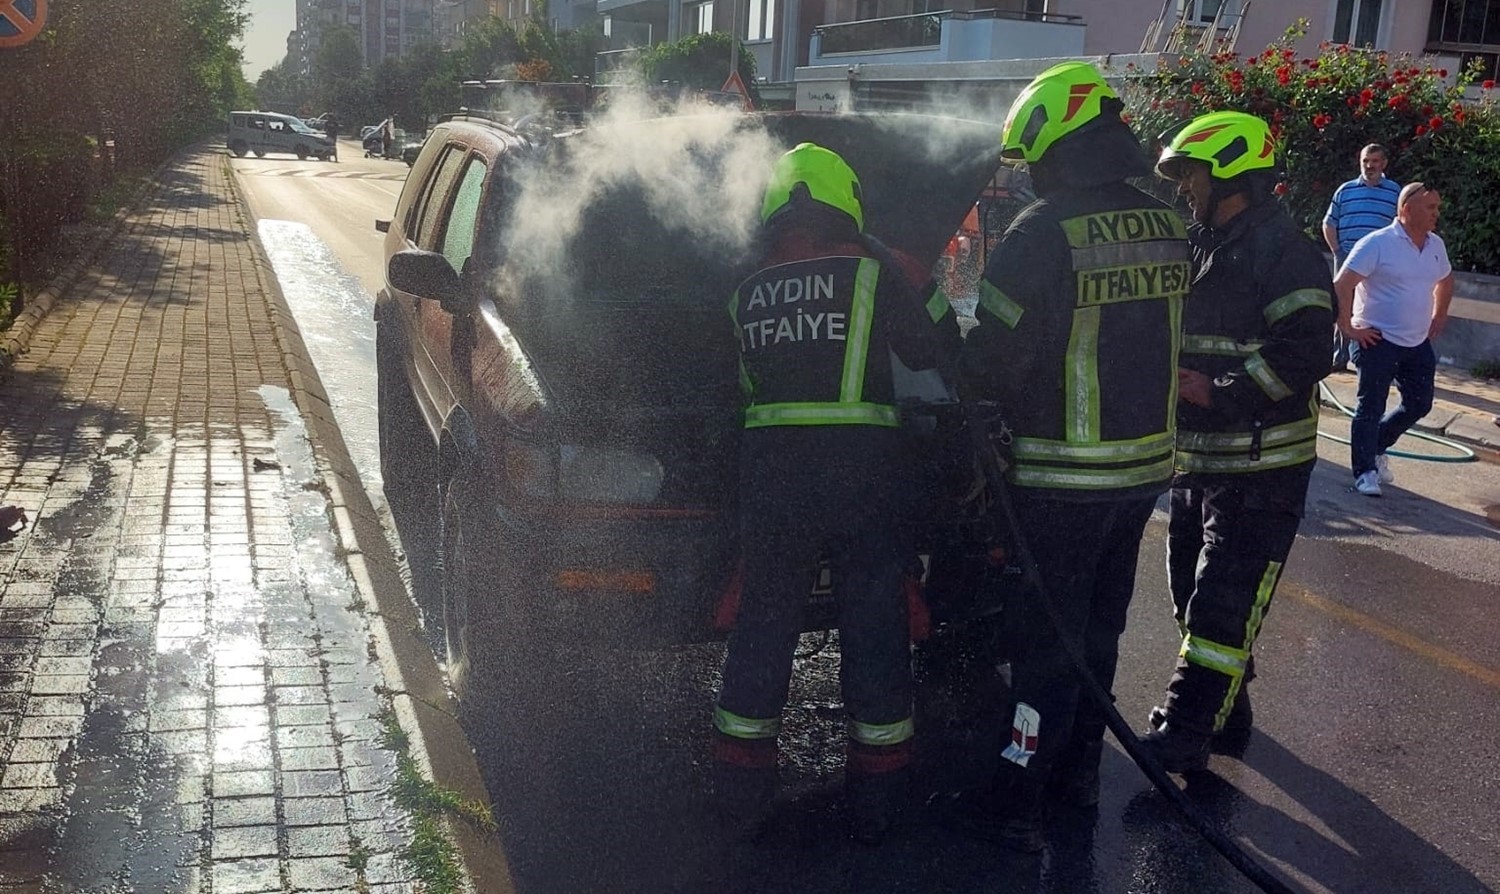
(823, 472)
(1079, 312)
(1255, 345)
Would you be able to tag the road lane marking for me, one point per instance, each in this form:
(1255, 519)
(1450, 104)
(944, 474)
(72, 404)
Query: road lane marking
(1392, 634)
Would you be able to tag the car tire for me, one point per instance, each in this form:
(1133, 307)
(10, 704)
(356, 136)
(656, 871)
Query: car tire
(239, 148)
(260, 153)
(488, 663)
(302, 152)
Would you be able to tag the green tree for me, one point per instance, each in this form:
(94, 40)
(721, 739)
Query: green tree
(697, 62)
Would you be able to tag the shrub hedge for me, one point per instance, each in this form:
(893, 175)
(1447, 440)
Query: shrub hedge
(1323, 109)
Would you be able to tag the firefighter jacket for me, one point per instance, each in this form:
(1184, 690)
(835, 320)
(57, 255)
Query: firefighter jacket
(816, 334)
(1257, 323)
(1079, 318)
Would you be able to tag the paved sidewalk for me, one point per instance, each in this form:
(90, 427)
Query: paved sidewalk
(190, 696)
(1465, 408)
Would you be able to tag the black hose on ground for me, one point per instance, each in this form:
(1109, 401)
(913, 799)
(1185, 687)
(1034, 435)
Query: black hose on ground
(994, 468)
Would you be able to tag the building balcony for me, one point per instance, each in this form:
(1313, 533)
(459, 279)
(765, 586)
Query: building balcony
(948, 36)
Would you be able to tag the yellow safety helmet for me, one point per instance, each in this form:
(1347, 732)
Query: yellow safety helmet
(1230, 143)
(1057, 103)
(826, 176)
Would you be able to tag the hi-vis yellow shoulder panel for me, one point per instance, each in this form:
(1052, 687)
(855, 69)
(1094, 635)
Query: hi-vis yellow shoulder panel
(1130, 225)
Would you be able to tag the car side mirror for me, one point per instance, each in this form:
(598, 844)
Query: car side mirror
(382, 226)
(425, 274)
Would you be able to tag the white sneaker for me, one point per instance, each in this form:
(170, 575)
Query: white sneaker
(1383, 469)
(1368, 483)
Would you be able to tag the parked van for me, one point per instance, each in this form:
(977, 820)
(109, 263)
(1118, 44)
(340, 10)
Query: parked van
(262, 132)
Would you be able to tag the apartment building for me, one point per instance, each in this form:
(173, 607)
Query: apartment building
(386, 28)
(785, 35)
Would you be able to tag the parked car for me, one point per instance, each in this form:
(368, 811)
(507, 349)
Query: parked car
(577, 419)
(411, 148)
(265, 132)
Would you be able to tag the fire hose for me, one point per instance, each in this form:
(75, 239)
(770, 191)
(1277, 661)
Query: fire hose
(1461, 453)
(994, 466)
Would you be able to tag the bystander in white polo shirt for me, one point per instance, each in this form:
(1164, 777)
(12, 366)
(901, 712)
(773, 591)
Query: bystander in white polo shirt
(1395, 296)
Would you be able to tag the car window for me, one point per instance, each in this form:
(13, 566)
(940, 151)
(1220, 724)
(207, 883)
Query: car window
(429, 210)
(275, 126)
(458, 233)
(237, 120)
(258, 123)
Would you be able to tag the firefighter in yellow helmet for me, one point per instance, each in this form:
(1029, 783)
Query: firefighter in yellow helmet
(823, 472)
(1254, 348)
(1079, 312)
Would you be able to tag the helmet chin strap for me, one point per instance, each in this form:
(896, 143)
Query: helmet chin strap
(1218, 191)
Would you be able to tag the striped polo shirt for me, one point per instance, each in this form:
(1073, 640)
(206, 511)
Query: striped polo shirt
(1358, 208)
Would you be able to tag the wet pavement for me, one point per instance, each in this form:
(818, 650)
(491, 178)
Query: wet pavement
(190, 699)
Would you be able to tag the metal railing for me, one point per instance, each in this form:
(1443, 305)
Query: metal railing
(916, 31)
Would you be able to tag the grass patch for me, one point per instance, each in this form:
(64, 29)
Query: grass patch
(431, 855)
(120, 193)
(1486, 369)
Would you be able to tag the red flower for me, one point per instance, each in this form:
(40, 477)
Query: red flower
(1312, 63)
(1353, 100)
(1442, 72)
(1321, 120)
(1197, 88)
(1487, 85)
(1281, 189)
(1458, 114)
(1284, 75)
(1435, 123)
(1421, 129)
(1426, 111)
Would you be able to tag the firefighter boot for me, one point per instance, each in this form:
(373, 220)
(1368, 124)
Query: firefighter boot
(1178, 748)
(1234, 736)
(1074, 781)
(875, 803)
(1008, 812)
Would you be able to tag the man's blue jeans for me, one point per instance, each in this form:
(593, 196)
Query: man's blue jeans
(1412, 370)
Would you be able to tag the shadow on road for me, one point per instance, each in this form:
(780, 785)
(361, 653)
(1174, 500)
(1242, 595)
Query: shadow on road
(1350, 843)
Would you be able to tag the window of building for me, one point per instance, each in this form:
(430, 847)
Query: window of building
(762, 24)
(1468, 28)
(1469, 22)
(1207, 10)
(702, 17)
(1357, 22)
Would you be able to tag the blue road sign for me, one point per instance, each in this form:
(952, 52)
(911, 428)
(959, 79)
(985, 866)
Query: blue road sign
(21, 21)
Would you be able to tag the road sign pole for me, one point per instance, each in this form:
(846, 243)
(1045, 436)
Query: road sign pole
(734, 41)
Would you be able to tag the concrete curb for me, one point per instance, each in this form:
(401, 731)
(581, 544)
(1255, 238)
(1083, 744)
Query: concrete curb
(423, 707)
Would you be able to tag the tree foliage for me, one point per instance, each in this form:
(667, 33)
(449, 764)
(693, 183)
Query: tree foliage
(698, 62)
(122, 81)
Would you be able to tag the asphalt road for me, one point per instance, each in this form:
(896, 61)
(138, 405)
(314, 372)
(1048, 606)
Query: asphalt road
(1373, 768)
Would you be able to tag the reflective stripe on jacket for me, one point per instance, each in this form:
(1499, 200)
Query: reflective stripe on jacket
(815, 341)
(1257, 324)
(1079, 315)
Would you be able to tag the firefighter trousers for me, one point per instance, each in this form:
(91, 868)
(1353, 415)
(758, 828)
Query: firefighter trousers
(1086, 554)
(1224, 558)
(834, 492)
